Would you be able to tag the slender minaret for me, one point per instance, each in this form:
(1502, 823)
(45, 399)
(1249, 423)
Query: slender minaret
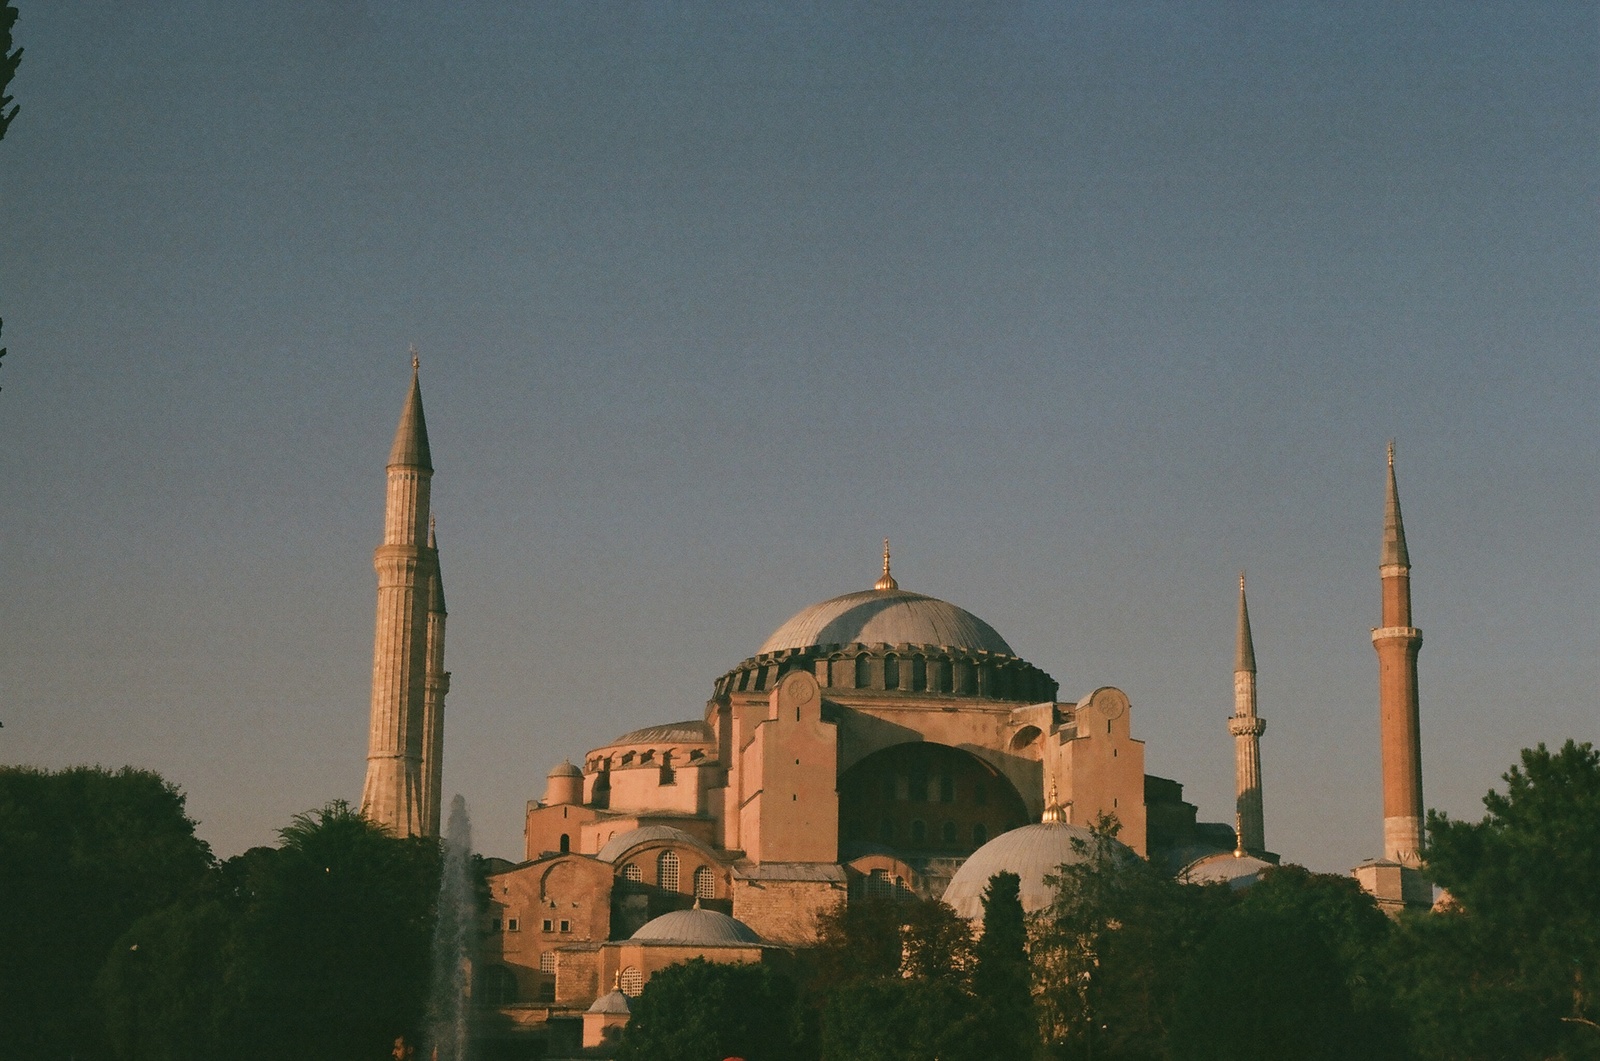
(393, 794)
(1397, 642)
(437, 685)
(1246, 728)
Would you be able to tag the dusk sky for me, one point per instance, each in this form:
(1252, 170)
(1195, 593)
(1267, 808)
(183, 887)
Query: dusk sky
(1087, 306)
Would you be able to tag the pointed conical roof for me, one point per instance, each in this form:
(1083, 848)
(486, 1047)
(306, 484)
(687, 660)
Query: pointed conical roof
(1245, 656)
(436, 580)
(410, 447)
(1394, 531)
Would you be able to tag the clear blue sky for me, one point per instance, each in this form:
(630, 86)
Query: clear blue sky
(1087, 306)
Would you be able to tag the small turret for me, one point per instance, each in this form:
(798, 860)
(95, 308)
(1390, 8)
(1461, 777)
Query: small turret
(563, 785)
(886, 581)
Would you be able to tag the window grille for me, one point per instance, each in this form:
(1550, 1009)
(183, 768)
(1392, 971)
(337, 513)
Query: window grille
(705, 883)
(667, 871)
(632, 872)
(632, 982)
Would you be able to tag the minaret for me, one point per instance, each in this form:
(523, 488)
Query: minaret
(437, 684)
(1397, 642)
(393, 793)
(1246, 728)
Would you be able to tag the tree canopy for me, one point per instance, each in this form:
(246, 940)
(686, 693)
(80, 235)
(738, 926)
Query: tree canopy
(84, 853)
(698, 1009)
(1511, 969)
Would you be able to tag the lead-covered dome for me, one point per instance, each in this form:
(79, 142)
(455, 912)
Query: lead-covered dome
(700, 927)
(1033, 853)
(886, 617)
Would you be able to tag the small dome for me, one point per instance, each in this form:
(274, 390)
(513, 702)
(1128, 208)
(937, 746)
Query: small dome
(694, 731)
(706, 928)
(889, 617)
(622, 843)
(1032, 852)
(615, 1002)
(564, 769)
(1236, 871)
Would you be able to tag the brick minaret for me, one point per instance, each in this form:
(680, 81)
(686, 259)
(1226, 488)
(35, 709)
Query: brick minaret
(1246, 728)
(393, 795)
(1397, 642)
(437, 685)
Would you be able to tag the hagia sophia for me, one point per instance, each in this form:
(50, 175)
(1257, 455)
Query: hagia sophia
(881, 742)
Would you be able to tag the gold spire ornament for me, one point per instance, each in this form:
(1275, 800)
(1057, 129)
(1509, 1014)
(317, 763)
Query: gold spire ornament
(416, 361)
(886, 582)
(1054, 813)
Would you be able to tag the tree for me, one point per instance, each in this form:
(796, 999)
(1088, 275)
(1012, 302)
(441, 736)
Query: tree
(84, 854)
(905, 1019)
(332, 954)
(1114, 949)
(876, 938)
(1512, 968)
(1263, 986)
(1001, 979)
(698, 1009)
(1356, 932)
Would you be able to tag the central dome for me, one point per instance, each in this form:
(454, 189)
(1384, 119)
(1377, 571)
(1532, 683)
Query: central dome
(889, 617)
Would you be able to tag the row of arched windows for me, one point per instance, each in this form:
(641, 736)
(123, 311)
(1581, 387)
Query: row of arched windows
(668, 877)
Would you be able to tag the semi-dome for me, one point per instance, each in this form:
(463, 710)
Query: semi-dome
(697, 927)
(1033, 853)
(889, 617)
(622, 843)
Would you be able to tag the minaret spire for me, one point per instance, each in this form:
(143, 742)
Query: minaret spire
(393, 793)
(1247, 729)
(1397, 643)
(886, 581)
(436, 683)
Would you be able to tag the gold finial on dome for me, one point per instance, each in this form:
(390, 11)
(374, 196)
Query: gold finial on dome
(887, 582)
(1054, 813)
(416, 361)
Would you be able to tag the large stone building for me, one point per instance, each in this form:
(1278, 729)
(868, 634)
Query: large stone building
(871, 744)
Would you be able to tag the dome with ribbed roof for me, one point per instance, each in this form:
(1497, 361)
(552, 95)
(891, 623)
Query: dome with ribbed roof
(1033, 853)
(697, 927)
(692, 731)
(889, 617)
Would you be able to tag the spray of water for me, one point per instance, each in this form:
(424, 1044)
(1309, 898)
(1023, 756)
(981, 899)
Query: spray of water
(452, 939)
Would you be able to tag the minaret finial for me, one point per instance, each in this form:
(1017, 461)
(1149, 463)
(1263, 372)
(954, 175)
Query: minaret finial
(433, 531)
(1238, 835)
(416, 361)
(886, 582)
(1391, 453)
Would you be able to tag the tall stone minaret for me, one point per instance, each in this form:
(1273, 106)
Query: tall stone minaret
(393, 795)
(1397, 642)
(1246, 728)
(437, 685)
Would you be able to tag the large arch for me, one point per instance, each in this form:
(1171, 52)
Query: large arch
(925, 800)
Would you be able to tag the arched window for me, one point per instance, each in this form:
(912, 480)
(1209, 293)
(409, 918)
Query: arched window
(667, 870)
(891, 671)
(919, 831)
(705, 883)
(947, 789)
(547, 962)
(632, 872)
(632, 982)
(947, 832)
(863, 672)
(980, 835)
(566, 843)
